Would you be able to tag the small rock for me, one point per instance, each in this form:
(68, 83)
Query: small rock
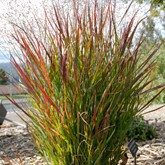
(6, 163)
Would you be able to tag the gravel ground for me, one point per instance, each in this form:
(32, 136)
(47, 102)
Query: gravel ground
(16, 146)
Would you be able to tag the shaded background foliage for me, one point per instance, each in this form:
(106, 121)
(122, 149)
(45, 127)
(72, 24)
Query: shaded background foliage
(3, 77)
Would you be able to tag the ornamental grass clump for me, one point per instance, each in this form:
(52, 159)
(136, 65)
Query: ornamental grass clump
(82, 71)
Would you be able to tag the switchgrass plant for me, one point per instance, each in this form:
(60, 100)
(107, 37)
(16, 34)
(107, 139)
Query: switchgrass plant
(85, 80)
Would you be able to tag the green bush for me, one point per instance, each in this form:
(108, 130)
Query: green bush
(86, 82)
(140, 130)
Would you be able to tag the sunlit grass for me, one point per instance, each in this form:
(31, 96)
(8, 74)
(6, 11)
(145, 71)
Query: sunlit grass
(15, 96)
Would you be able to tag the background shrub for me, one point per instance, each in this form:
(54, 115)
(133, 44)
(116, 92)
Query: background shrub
(140, 130)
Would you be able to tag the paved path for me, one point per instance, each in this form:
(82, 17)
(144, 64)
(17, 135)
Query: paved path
(11, 115)
(159, 114)
(15, 118)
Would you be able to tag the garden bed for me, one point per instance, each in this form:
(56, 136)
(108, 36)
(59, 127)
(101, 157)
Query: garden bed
(16, 143)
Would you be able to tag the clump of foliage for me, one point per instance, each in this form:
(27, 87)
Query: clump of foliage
(159, 72)
(3, 77)
(140, 130)
(86, 82)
